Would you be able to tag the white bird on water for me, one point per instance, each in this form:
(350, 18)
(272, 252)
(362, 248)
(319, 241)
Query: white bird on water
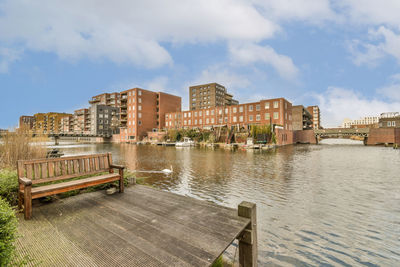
(168, 170)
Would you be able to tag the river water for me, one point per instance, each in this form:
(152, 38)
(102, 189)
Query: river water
(334, 204)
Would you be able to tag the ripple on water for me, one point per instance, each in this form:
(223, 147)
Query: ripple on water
(329, 205)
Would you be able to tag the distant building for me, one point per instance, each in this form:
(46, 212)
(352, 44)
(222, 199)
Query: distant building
(67, 124)
(301, 118)
(365, 122)
(143, 111)
(389, 120)
(47, 123)
(26, 122)
(316, 116)
(82, 121)
(271, 111)
(104, 120)
(108, 99)
(209, 95)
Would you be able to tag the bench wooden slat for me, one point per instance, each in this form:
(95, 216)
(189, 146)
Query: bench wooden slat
(53, 189)
(70, 166)
(29, 171)
(106, 164)
(51, 169)
(96, 163)
(44, 170)
(101, 162)
(36, 168)
(57, 168)
(62, 158)
(91, 164)
(76, 166)
(81, 166)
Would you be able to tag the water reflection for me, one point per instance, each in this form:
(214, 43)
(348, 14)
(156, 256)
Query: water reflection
(331, 204)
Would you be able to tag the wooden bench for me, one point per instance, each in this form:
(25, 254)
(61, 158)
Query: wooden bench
(33, 173)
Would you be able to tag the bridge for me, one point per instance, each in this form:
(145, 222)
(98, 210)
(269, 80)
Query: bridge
(341, 132)
(76, 137)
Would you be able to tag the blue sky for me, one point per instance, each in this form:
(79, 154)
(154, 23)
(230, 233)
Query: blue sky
(342, 55)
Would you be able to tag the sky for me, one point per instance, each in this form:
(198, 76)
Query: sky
(343, 55)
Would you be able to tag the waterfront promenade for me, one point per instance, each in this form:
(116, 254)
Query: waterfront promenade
(142, 227)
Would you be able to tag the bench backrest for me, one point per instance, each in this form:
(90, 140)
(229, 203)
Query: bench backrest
(48, 170)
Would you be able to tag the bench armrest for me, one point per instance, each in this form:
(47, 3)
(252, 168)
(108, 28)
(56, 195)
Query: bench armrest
(25, 181)
(117, 166)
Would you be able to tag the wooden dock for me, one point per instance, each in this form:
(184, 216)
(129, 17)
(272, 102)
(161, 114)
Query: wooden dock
(141, 227)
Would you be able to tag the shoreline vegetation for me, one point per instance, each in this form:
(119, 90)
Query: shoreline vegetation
(259, 133)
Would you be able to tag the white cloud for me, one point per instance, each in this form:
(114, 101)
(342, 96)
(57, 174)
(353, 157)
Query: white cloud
(8, 56)
(158, 84)
(337, 104)
(391, 92)
(313, 11)
(127, 31)
(370, 53)
(252, 53)
(370, 12)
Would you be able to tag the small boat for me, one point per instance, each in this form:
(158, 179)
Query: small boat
(187, 142)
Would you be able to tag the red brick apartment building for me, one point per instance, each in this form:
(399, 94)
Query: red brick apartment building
(108, 99)
(272, 111)
(143, 111)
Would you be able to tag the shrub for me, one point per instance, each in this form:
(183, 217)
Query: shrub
(8, 231)
(9, 186)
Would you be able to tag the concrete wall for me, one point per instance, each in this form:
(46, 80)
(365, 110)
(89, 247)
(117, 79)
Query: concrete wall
(384, 136)
(304, 137)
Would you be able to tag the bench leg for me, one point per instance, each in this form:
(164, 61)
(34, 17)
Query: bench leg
(20, 198)
(121, 180)
(28, 202)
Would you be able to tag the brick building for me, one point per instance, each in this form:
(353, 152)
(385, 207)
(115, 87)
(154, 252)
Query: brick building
(316, 116)
(389, 120)
(108, 99)
(209, 95)
(26, 122)
(82, 121)
(67, 124)
(302, 119)
(143, 111)
(272, 111)
(47, 123)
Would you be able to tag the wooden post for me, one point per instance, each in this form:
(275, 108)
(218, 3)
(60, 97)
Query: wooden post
(248, 238)
(121, 180)
(28, 202)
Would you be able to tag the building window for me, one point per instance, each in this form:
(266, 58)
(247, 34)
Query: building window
(388, 124)
(184, 122)
(393, 123)
(212, 112)
(258, 117)
(200, 121)
(226, 119)
(220, 112)
(207, 112)
(251, 108)
(190, 122)
(276, 115)
(234, 110)
(220, 120)
(212, 120)
(234, 119)
(139, 115)
(195, 113)
(267, 116)
(140, 93)
(139, 107)
(241, 109)
(140, 100)
(140, 122)
(250, 117)
(207, 121)
(200, 113)
(276, 104)
(195, 121)
(258, 107)
(184, 115)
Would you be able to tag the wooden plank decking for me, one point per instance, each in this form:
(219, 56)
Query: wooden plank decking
(141, 227)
